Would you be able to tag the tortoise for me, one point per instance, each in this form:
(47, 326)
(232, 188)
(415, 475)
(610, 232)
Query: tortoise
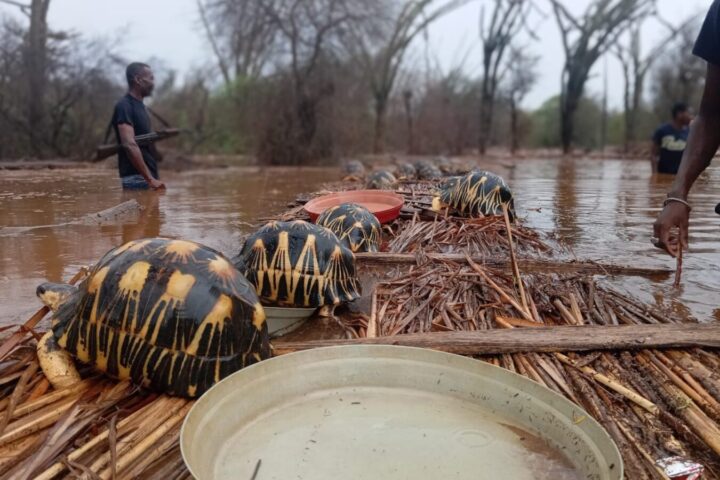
(298, 264)
(477, 193)
(171, 315)
(406, 171)
(353, 169)
(380, 179)
(354, 225)
(444, 164)
(426, 170)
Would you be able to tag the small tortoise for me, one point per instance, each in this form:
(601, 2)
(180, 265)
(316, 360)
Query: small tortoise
(353, 170)
(426, 170)
(406, 171)
(380, 179)
(171, 315)
(299, 264)
(354, 225)
(478, 193)
(444, 164)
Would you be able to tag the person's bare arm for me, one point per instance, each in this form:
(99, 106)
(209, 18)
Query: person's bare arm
(702, 144)
(127, 140)
(654, 157)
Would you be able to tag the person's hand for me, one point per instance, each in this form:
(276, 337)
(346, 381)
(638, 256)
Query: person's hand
(156, 184)
(674, 215)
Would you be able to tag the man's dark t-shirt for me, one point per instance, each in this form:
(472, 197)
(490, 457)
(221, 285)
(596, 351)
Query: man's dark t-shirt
(671, 142)
(132, 111)
(707, 45)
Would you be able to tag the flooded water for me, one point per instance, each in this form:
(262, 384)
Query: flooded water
(603, 209)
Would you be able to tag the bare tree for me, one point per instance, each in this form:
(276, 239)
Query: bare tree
(635, 67)
(308, 31)
(240, 34)
(497, 31)
(521, 77)
(585, 38)
(678, 76)
(380, 47)
(35, 62)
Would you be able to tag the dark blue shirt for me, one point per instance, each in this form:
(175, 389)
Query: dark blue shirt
(131, 111)
(707, 45)
(671, 142)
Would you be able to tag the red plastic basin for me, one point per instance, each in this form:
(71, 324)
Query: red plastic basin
(384, 205)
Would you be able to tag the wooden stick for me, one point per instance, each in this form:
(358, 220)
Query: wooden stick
(499, 290)
(148, 442)
(161, 410)
(612, 384)
(541, 339)
(678, 268)
(59, 467)
(513, 262)
(372, 328)
(55, 395)
(528, 264)
(22, 428)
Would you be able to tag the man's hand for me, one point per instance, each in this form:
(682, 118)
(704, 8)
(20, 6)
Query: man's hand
(156, 184)
(674, 215)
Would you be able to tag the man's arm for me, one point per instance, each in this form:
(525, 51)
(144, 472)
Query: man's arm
(702, 144)
(654, 156)
(127, 140)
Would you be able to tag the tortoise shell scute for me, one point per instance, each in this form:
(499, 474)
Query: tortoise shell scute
(298, 264)
(478, 193)
(354, 225)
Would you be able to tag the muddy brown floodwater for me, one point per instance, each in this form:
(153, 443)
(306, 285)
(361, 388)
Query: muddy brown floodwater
(604, 209)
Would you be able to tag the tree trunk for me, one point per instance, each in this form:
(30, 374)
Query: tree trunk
(514, 140)
(379, 133)
(486, 115)
(36, 67)
(407, 99)
(569, 102)
(635, 107)
(566, 126)
(307, 118)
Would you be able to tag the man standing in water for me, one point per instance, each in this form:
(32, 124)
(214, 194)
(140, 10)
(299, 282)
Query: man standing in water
(669, 141)
(703, 141)
(137, 164)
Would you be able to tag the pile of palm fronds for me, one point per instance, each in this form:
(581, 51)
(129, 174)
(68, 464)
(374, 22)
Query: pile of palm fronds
(478, 236)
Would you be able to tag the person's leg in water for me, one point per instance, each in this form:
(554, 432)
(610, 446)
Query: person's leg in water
(134, 182)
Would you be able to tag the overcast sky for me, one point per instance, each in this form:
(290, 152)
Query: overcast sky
(169, 30)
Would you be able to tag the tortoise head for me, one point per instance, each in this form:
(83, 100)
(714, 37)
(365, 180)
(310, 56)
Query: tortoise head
(54, 294)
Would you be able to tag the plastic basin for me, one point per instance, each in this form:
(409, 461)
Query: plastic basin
(384, 205)
(389, 412)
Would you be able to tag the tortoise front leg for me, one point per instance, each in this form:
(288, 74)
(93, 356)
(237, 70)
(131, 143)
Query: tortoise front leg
(57, 364)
